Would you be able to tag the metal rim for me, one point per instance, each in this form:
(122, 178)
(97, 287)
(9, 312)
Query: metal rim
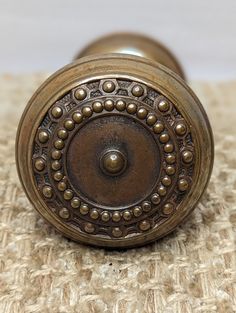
(105, 67)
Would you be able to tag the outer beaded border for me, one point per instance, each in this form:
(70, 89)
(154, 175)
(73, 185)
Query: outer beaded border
(109, 87)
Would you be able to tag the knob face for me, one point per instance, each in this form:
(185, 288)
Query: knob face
(114, 152)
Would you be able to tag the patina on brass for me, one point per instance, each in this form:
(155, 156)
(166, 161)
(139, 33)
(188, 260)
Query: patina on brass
(115, 150)
(134, 44)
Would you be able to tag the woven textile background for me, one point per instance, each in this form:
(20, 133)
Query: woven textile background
(191, 270)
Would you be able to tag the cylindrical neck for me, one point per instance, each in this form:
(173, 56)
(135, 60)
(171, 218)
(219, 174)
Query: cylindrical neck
(133, 44)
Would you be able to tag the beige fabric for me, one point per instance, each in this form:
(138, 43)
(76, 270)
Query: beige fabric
(192, 270)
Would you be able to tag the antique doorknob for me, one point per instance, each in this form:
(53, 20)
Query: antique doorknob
(114, 149)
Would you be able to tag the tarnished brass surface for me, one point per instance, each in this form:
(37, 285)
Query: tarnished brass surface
(114, 150)
(134, 44)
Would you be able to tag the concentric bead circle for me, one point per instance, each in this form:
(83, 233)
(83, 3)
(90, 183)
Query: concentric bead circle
(157, 119)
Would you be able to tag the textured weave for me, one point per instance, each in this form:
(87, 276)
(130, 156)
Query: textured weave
(191, 270)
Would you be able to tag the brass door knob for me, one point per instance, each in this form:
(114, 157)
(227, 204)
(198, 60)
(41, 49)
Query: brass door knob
(114, 149)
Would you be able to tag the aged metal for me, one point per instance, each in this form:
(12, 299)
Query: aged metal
(115, 150)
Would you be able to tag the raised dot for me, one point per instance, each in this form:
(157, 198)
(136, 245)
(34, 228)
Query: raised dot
(56, 165)
(169, 147)
(116, 232)
(61, 186)
(183, 184)
(47, 192)
(69, 124)
(89, 228)
(137, 91)
(57, 112)
(151, 119)
(170, 158)
(94, 214)
(142, 113)
(120, 105)
(187, 156)
(68, 194)
(80, 94)
(144, 225)
(105, 216)
(97, 107)
(58, 176)
(158, 128)
(113, 162)
(75, 203)
(163, 106)
(39, 164)
(77, 117)
(166, 181)
(62, 134)
(170, 170)
(127, 215)
(108, 86)
(87, 111)
(162, 191)
(59, 144)
(43, 136)
(180, 129)
(109, 105)
(116, 217)
(155, 199)
(56, 154)
(84, 209)
(137, 211)
(146, 206)
(168, 208)
(164, 137)
(131, 108)
(64, 213)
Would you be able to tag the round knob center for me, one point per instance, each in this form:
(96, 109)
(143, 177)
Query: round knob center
(113, 162)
